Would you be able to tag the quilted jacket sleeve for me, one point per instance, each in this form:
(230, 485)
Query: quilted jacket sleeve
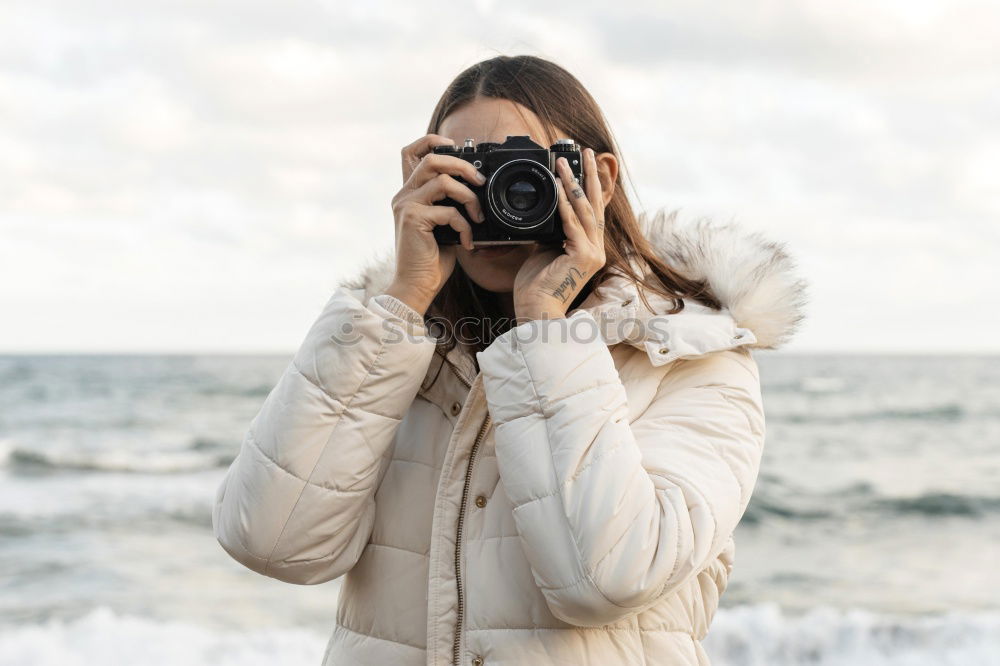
(614, 515)
(297, 503)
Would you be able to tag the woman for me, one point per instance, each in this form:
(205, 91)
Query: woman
(560, 489)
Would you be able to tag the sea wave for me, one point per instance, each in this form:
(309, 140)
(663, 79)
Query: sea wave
(950, 412)
(765, 635)
(861, 498)
(96, 501)
(105, 638)
(749, 635)
(199, 456)
(940, 504)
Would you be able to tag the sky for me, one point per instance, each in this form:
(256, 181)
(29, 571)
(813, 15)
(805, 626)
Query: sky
(197, 176)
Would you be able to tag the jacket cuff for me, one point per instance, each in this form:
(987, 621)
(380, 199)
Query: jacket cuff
(397, 307)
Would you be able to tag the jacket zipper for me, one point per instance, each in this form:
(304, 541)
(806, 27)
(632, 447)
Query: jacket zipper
(457, 645)
(456, 648)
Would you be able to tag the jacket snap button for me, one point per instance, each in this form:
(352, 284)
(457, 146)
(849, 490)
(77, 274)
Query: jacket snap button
(626, 302)
(663, 350)
(456, 407)
(478, 661)
(480, 501)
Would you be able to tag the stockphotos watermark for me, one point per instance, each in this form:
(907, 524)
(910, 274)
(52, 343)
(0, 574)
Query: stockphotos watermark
(479, 330)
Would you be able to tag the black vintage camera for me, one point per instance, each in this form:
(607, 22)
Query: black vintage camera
(519, 198)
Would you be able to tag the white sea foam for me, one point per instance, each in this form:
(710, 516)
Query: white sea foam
(762, 635)
(757, 635)
(104, 638)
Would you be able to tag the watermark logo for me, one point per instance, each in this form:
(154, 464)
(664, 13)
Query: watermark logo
(481, 331)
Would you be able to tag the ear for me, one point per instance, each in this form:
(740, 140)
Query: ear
(607, 169)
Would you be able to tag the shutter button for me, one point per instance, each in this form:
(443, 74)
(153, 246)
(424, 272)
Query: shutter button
(480, 501)
(456, 407)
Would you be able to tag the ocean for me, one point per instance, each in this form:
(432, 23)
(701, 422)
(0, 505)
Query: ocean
(872, 538)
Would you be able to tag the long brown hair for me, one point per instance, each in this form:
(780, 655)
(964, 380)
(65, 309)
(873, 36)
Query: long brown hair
(560, 101)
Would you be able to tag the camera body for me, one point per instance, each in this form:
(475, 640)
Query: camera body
(520, 196)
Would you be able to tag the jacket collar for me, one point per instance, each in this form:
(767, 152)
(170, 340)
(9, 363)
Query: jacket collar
(753, 277)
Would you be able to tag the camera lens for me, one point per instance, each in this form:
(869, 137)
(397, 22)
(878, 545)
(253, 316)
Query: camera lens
(522, 195)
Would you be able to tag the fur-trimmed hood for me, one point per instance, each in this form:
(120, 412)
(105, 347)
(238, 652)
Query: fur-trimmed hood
(753, 277)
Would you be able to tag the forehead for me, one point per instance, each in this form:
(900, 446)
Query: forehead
(488, 119)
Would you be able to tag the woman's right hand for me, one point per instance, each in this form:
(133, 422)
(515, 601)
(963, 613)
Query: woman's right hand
(422, 266)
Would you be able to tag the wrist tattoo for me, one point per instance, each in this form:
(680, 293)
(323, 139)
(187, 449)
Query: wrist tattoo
(568, 282)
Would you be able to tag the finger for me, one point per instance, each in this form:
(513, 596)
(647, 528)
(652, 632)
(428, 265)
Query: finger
(595, 191)
(571, 225)
(449, 216)
(426, 144)
(442, 186)
(578, 198)
(412, 153)
(433, 164)
(592, 180)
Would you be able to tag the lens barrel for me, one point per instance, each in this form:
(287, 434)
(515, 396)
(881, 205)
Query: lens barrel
(522, 194)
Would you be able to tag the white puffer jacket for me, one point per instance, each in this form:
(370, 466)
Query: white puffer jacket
(573, 503)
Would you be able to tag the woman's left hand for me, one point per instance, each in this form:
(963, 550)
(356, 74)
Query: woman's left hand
(550, 279)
